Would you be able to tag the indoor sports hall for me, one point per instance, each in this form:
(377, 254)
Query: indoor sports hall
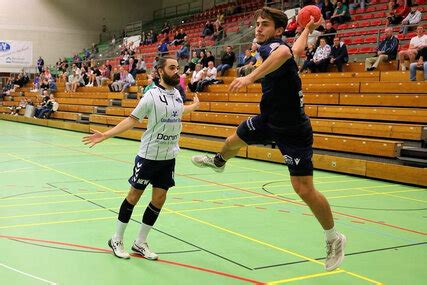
(60, 199)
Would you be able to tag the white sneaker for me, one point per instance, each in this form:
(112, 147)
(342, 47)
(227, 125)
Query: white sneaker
(144, 250)
(403, 67)
(206, 161)
(335, 252)
(118, 248)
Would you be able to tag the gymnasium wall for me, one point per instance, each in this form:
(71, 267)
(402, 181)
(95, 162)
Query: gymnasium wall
(59, 28)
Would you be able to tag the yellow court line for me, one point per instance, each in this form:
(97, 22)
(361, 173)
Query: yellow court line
(56, 213)
(391, 194)
(226, 207)
(372, 193)
(194, 219)
(52, 196)
(57, 202)
(58, 222)
(304, 277)
(63, 173)
(263, 243)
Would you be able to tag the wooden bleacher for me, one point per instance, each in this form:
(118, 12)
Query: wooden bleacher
(368, 114)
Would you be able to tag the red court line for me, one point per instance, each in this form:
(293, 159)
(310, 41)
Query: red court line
(303, 204)
(139, 256)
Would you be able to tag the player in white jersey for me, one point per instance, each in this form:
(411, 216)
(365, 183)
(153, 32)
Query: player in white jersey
(155, 162)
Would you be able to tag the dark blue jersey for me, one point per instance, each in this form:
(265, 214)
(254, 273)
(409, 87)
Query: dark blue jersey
(281, 104)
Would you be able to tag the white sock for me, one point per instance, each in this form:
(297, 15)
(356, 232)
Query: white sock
(331, 234)
(120, 230)
(143, 233)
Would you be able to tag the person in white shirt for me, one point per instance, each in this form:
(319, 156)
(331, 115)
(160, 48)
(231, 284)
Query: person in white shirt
(209, 76)
(413, 18)
(196, 77)
(155, 162)
(321, 57)
(416, 43)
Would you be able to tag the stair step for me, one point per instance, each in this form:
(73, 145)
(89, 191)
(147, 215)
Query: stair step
(414, 152)
(410, 161)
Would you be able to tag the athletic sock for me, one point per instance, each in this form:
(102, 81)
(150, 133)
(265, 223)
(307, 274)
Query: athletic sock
(219, 160)
(331, 234)
(148, 219)
(125, 213)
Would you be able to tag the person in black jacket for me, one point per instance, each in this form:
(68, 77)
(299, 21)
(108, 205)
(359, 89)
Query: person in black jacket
(339, 54)
(227, 61)
(387, 50)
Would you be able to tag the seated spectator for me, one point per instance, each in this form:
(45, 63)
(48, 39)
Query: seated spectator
(416, 43)
(248, 64)
(318, 4)
(291, 28)
(313, 37)
(341, 14)
(210, 57)
(227, 61)
(357, 3)
(179, 37)
(126, 80)
(183, 52)
(40, 64)
(132, 67)
(387, 50)
(104, 76)
(166, 28)
(413, 18)
(47, 109)
(321, 57)
(327, 9)
(14, 110)
(339, 54)
(203, 59)
(201, 46)
(163, 47)
(208, 29)
(195, 78)
(192, 64)
(396, 12)
(329, 34)
(309, 54)
(72, 82)
(141, 67)
(209, 77)
(420, 64)
(219, 32)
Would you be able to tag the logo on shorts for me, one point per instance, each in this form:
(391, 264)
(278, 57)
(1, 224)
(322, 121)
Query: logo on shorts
(291, 161)
(143, 181)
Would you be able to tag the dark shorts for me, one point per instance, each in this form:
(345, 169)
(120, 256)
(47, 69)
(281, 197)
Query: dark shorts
(159, 173)
(295, 144)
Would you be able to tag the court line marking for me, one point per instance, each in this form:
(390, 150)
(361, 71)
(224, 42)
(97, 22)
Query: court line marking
(304, 277)
(138, 256)
(58, 222)
(265, 243)
(402, 197)
(28, 274)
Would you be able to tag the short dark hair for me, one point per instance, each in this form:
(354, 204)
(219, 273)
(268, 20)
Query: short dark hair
(278, 16)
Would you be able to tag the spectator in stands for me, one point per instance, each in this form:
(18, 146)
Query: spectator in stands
(291, 27)
(73, 82)
(126, 80)
(387, 50)
(183, 52)
(357, 3)
(313, 37)
(163, 47)
(416, 44)
(104, 76)
(209, 76)
(327, 9)
(329, 34)
(318, 4)
(45, 111)
(321, 57)
(341, 14)
(14, 110)
(44, 99)
(195, 78)
(210, 56)
(153, 37)
(143, 39)
(203, 59)
(208, 29)
(113, 40)
(132, 67)
(192, 64)
(179, 37)
(397, 12)
(92, 74)
(420, 64)
(413, 18)
(141, 67)
(40, 64)
(166, 28)
(227, 61)
(219, 32)
(248, 64)
(339, 54)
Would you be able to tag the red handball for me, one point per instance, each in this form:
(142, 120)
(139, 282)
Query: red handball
(304, 14)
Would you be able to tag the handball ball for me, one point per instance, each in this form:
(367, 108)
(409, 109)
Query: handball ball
(305, 13)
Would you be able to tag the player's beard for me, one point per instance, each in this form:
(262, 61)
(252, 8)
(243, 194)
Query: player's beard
(171, 80)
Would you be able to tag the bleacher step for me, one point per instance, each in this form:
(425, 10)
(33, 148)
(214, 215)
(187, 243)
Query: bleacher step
(131, 96)
(416, 162)
(100, 110)
(84, 119)
(414, 152)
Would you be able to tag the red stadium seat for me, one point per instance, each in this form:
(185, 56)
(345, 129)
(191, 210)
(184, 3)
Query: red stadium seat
(370, 40)
(364, 24)
(352, 50)
(357, 41)
(370, 9)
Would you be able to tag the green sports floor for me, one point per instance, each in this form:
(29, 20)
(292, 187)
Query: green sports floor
(59, 199)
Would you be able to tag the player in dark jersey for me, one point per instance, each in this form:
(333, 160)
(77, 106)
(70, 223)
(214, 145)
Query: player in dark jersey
(282, 120)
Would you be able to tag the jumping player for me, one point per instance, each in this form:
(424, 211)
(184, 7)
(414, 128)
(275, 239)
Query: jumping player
(282, 120)
(155, 162)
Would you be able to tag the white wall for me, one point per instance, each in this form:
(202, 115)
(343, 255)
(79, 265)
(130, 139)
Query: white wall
(59, 28)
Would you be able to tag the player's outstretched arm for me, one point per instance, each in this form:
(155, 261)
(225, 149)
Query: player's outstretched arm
(278, 57)
(192, 107)
(300, 44)
(98, 137)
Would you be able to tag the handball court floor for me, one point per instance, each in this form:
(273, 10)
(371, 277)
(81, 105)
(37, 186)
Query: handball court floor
(58, 204)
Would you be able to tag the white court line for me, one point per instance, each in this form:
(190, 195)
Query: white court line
(28, 274)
